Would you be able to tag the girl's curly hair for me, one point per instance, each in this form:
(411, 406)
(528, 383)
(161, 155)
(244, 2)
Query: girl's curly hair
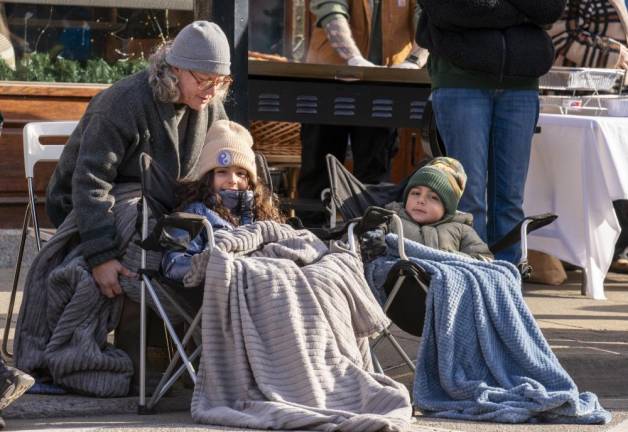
(266, 204)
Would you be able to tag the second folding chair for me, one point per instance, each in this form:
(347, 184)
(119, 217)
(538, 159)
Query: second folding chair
(34, 152)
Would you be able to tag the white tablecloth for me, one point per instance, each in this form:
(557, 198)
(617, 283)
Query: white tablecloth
(578, 166)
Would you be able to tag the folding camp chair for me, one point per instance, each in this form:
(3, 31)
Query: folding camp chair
(34, 152)
(349, 199)
(157, 203)
(406, 284)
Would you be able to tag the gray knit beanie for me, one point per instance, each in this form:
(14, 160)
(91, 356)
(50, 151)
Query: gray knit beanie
(203, 47)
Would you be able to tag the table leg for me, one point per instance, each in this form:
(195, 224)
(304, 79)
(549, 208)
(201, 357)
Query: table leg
(594, 282)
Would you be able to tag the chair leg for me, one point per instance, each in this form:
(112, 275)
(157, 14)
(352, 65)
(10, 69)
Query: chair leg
(16, 278)
(399, 349)
(169, 378)
(376, 364)
(171, 330)
(386, 334)
(163, 387)
(33, 208)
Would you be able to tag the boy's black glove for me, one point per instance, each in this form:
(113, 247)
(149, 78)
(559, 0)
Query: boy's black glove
(372, 244)
(371, 231)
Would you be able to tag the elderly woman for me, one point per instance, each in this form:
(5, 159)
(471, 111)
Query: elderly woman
(164, 111)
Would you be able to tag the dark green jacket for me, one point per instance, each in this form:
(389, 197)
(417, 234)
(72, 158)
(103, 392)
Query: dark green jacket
(453, 233)
(119, 124)
(487, 44)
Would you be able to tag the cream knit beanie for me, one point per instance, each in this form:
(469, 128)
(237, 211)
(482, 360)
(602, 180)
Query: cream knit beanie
(227, 143)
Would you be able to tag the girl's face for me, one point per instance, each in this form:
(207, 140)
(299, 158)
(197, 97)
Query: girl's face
(424, 205)
(231, 178)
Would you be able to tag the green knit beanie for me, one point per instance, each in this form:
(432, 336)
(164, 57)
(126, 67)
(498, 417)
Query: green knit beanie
(443, 175)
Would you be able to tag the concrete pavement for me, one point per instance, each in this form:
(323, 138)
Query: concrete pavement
(589, 337)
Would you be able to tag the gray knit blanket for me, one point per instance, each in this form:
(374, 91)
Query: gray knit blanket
(64, 320)
(482, 355)
(284, 329)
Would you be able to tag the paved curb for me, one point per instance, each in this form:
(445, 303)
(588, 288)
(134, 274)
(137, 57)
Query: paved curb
(32, 406)
(9, 245)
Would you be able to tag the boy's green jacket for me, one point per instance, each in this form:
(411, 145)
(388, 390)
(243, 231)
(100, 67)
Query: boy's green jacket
(453, 233)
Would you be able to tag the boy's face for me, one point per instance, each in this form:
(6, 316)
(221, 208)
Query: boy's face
(424, 205)
(233, 177)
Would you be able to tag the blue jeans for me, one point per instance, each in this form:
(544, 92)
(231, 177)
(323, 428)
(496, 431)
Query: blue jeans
(490, 132)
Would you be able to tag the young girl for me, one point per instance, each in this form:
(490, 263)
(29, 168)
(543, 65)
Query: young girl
(224, 189)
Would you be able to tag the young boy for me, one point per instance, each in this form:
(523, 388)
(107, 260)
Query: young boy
(429, 210)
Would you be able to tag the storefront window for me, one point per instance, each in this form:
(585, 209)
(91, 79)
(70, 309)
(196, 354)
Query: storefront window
(276, 27)
(82, 40)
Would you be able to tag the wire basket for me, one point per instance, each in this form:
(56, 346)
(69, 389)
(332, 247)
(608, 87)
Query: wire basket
(584, 79)
(575, 105)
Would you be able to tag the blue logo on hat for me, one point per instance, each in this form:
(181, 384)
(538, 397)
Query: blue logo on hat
(224, 158)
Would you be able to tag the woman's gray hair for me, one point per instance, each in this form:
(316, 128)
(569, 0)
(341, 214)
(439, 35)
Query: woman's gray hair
(164, 82)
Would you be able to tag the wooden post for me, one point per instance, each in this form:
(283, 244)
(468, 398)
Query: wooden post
(203, 9)
(233, 18)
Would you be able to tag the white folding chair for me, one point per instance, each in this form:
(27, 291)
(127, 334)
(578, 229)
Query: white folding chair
(34, 152)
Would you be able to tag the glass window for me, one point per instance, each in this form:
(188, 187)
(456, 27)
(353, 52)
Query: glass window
(277, 27)
(83, 40)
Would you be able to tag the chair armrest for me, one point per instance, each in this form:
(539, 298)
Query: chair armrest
(159, 238)
(514, 235)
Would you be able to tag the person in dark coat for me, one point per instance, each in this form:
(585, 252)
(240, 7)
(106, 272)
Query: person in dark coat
(164, 111)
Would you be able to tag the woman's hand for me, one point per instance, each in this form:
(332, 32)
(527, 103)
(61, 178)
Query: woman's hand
(106, 277)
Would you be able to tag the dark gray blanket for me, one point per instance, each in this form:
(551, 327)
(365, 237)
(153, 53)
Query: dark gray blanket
(64, 320)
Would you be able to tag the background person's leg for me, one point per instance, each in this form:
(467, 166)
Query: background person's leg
(514, 118)
(373, 149)
(316, 142)
(463, 119)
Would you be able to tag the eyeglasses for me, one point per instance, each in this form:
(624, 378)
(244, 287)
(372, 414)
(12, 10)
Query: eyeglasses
(218, 82)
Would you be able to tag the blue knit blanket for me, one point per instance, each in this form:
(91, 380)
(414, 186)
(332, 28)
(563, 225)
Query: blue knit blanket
(482, 356)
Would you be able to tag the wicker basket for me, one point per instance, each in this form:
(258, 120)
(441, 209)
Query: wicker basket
(278, 141)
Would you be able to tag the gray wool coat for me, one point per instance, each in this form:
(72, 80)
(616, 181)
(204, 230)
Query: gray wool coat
(119, 124)
(453, 233)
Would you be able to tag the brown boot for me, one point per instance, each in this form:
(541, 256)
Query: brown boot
(619, 265)
(127, 338)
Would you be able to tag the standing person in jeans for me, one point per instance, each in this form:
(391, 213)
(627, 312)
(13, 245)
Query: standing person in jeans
(485, 60)
(357, 33)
